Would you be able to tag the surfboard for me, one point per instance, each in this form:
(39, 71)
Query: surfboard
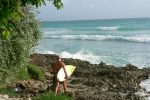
(61, 74)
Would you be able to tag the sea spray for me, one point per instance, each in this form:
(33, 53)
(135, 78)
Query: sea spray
(88, 56)
(81, 54)
(114, 41)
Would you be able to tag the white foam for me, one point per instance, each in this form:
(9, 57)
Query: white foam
(148, 98)
(146, 85)
(79, 37)
(46, 52)
(111, 28)
(139, 38)
(81, 54)
(49, 31)
(136, 38)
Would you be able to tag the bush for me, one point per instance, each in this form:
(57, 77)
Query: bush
(13, 75)
(51, 96)
(24, 34)
(8, 91)
(23, 74)
(35, 72)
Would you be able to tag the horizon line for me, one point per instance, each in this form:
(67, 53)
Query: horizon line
(95, 19)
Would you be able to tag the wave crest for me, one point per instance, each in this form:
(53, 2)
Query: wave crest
(137, 38)
(81, 54)
(47, 31)
(111, 28)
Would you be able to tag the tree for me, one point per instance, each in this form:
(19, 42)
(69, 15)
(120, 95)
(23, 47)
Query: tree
(11, 8)
(19, 31)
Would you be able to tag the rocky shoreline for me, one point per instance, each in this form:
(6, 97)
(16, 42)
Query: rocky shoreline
(98, 81)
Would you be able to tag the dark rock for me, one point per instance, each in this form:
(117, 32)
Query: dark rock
(98, 81)
(102, 64)
(31, 86)
(44, 60)
(130, 67)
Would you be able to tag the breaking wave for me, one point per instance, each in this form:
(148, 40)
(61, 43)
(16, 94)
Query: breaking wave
(81, 54)
(136, 38)
(112, 28)
(47, 31)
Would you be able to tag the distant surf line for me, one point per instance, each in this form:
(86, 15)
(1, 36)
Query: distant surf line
(136, 38)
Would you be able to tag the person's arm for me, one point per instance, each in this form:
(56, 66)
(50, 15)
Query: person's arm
(64, 70)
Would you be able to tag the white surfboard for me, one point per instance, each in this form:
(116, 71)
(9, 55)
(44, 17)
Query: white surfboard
(61, 74)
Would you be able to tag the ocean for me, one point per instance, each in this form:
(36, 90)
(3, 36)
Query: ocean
(114, 41)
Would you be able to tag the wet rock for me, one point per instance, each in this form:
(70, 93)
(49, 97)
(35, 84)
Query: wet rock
(98, 81)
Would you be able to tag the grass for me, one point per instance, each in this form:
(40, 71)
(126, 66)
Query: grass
(11, 76)
(35, 72)
(8, 91)
(50, 96)
(23, 74)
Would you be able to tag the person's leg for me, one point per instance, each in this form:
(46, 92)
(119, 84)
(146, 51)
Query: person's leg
(65, 85)
(56, 87)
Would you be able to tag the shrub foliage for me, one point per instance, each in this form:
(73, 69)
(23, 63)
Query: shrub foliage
(35, 72)
(19, 30)
(16, 48)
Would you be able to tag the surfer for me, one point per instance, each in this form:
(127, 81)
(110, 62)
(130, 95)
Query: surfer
(56, 67)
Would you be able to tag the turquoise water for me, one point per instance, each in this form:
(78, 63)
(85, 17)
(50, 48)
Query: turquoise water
(113, 41)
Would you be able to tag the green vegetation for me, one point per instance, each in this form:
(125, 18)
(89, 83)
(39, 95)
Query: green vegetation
(19, 31)
(23, 74)
(11, 9)
(31, 71)
(19, 34)
(10, 76)
(15, 49)
(8, 91)
(51, 96)
(36, 72)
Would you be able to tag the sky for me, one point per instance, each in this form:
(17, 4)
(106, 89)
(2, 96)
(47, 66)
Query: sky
(95, 9)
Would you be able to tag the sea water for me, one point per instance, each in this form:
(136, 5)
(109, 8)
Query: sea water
(113, 41)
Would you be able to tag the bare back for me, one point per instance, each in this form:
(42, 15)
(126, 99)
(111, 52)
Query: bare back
(57, 67)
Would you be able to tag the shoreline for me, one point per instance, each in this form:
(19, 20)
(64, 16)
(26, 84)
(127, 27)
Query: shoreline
(99, 81)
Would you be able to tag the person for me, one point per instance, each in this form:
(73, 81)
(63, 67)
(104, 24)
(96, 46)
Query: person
(56, 67)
